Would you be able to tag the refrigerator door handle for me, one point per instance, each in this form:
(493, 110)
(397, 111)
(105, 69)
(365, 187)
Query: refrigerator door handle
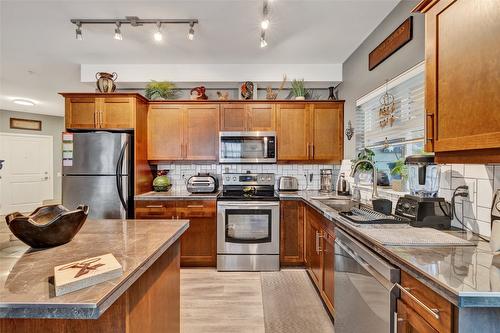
(119, 168)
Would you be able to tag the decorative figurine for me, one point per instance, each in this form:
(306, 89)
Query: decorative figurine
(223, 96)
(247, 90)
(198, 93)
(333, 94)
(270, 94)
(349, 131)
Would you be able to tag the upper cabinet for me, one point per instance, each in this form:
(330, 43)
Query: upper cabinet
(95, 111)
(241, 116)
(462, 80)
(310, 131)
(183, 131)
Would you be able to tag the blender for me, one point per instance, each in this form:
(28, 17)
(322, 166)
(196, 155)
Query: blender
(422, 206)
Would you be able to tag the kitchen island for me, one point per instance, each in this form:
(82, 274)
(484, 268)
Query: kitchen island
(145, 298)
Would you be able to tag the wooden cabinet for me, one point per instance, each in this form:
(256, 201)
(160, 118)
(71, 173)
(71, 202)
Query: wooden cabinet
(199, 242)
(462, 80)
(310, 131)
(247, 117)
(320, 255)
(95, 111)
(292, 233)
(183, 132)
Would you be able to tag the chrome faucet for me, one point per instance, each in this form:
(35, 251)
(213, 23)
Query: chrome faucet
(374, 184)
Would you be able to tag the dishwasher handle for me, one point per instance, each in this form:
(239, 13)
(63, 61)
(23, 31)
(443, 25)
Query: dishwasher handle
(431, 311)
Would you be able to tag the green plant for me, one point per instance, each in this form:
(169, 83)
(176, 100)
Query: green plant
(160, 90)
(298, 88)
(365, 154)
(400, 169)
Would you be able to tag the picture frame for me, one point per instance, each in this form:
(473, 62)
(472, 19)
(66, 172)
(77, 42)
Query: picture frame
(25, 124)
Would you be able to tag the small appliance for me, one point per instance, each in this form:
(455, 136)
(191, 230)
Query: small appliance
(423, 175)
(248, 223)
(288, 183)
(326, 180)
(495, 223)
(202, 183)
(247, 147)
(343, 187)
(424, 212)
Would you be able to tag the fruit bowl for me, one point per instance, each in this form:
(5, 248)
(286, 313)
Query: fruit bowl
(47, 226)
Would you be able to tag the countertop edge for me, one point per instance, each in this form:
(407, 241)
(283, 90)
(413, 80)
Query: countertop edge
(86, 310)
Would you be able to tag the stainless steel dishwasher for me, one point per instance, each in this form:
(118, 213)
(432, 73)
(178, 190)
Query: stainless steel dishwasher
(364, 301)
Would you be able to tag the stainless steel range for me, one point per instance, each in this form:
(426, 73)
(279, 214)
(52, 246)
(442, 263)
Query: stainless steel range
(248, 223)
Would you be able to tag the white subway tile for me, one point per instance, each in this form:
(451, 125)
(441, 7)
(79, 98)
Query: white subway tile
(458, 170)
(469, 209)
(479, 171)
(445, 181)
(484, 214)
(497, 178)
(484, 193)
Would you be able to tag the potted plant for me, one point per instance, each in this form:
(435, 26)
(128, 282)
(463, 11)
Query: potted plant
(160, 90)
(364, 170)
(400, 174)
(299, 89)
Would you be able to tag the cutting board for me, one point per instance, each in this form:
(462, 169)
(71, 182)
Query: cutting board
(85, 273)
(415, 237)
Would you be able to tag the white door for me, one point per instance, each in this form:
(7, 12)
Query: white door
(26, 177)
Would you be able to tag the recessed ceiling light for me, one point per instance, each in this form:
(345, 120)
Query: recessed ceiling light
(26, 102)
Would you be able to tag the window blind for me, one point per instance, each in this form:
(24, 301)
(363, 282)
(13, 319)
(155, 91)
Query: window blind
(408, 114)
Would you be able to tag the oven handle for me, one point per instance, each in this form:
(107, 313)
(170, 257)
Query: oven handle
(252, 203)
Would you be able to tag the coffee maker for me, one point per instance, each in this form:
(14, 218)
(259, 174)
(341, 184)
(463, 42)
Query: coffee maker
(422, 207)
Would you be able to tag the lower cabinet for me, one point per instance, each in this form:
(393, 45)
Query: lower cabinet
(199, 242)
(319, 254)
(292, 233)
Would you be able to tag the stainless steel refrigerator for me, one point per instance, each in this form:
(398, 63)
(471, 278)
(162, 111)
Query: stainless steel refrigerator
(100, 174)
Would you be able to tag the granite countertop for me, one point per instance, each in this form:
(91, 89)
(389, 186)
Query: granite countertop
(25, 291)
(176, 194)
(468, 276)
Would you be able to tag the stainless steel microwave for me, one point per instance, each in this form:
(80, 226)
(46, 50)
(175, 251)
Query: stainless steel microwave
(247, 147)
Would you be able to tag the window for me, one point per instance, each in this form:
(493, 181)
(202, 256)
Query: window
(400, 132)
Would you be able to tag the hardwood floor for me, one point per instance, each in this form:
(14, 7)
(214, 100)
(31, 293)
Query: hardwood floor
(232, 302)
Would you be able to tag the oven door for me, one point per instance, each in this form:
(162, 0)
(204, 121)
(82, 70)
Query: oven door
(247, 147)
(247, 227)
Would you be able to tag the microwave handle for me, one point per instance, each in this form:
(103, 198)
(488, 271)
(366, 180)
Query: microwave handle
(266, 143)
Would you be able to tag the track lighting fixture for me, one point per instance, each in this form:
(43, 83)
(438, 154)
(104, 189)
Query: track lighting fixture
(134, 21)
(78, 35)
(191, 31)
(158, 35)
(264, 24)
(118, 33)
(263, 42)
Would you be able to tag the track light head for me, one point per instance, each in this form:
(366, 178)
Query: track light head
(191, 31)
(118, 33)
(264, 24)
(158, 35)
(78, 32)
(263, 42)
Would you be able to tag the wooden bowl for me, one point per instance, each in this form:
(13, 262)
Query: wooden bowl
(47, 226)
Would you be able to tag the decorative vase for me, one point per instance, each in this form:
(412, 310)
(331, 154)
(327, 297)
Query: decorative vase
(106, 82)
(300, 98)
(161, 183)
(247, 90)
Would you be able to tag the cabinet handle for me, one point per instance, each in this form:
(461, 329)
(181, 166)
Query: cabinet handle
(431, 311)
(195, 206)
(429, 130)
(101, 118)
(96, 124)
(154, 206)
(312, 150)
(318, 247)
(308, 150)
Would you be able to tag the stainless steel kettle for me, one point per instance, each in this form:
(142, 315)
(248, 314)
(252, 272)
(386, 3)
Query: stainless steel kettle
(343, 187)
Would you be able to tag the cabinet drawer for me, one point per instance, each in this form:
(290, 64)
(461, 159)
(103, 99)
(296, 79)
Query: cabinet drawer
(430, 299)
(154, 209)
(196, 208)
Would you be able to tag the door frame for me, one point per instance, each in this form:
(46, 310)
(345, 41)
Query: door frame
(51, 160)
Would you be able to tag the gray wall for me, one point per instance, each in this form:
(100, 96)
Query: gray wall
(52, 126)
(358, 80)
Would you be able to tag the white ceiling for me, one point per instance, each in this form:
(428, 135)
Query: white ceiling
(39, 55)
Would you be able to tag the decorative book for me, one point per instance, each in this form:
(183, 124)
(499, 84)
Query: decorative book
(85, 273)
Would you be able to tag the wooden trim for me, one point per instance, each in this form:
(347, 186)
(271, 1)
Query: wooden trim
(424, 6)
(480, 156)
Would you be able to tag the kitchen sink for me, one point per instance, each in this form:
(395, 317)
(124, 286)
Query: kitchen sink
(337, 203)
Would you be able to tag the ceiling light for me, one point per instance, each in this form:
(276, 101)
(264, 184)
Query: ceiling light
(26, 102)
(79, 31)
(263, 42)
(191, 31)
(118, 33)
(158, 35)
(264, 24)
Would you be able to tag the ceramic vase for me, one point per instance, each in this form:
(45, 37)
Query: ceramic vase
(106, 82)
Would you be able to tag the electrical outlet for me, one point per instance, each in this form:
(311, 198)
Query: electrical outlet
(471, 183)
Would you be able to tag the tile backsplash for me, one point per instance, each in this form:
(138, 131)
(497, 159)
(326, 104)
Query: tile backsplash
(474, 211)
(181, 172)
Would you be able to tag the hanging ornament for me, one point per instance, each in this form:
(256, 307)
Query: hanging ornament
(387, 109)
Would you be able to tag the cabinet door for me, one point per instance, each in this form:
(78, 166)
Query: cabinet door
(261, 117)
(293, 132)
(81, 112)
(116, 112)
(408, 321)
(165, 132)
(327, 132)
(328, 269)
(202, 132)
(199, 242)
(313, 247)
(292, 233)
(233, 117)
(462, 100)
